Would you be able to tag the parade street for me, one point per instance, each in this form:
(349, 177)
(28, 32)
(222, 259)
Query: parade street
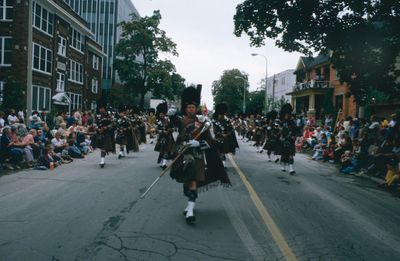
(82, 212)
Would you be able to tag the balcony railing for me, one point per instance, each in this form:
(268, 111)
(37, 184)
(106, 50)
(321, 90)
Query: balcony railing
(310, 85)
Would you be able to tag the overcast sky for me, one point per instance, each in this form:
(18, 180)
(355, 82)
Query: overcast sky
(203, 32)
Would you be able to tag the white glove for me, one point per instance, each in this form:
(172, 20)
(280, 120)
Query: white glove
(193, 143)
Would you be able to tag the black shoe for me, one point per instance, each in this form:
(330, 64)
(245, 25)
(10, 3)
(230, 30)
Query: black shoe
(102, 165)
(119, 156)
(292, 172)
(283, 170)
(190, 220)
(277, 160)
(261, 151)
(164, 167)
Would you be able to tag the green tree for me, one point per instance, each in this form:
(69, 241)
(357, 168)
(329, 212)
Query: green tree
(229, 89)
(14, 95)
(256, 101)
(138, 63)
(277, 103)
(362, 36)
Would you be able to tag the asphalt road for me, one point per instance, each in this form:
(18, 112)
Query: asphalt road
(82, 212)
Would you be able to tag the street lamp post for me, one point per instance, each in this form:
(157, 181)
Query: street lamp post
(266, 79)
(244, 92)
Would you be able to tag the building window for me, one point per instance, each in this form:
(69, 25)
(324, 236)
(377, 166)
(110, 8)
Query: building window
(41, 98)
(60, 82)
(75, 72)
(283, 81)
(5, 51)
(62, 44)
(95, 62)
(76, 41)
(93, 106)
(42, 59)
(6, 9)
(76, 100)
(95, 86)
(1, 91)
(42, 19)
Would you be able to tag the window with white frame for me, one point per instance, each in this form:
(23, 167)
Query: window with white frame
(42, 19)
(6, 9)
(76, 40)
(42, 59)
(60, 82)
(76, 100)
(95, 62)
(1, 91)
(5, 51)
(75, 72)
(41, 98)
(93, 106)
(95, 86)
(62, 45)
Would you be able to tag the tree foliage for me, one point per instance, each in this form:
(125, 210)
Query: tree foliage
(363, 36)
(13, 95)
(138, 63)
(229, 89)
(256, 101)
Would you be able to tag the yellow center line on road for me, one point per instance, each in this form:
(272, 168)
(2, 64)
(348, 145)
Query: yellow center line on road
(269, 222)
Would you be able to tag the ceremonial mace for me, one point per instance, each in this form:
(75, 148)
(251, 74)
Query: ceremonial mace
(206, 126)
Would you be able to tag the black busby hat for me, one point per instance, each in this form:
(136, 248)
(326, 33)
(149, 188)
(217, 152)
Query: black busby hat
(220, 108)
(162, 108)
(286, 109)
(190, 95)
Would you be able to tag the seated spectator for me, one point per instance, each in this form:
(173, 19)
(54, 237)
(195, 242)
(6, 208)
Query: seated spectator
(392, 174)
(8, 152)
(2, 122)
(17, 134)
(318, 151)
(73, 150)
(47, 160)
(58, 144)
(12, 117)
(34, 121)
(299, 143)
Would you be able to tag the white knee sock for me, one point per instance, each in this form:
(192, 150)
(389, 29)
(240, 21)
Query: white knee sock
(190, 208)
(102, 160)
(291, 167)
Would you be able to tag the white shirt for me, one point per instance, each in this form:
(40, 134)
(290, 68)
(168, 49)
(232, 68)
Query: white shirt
(56, 143)
(12, 119)
(2, 122)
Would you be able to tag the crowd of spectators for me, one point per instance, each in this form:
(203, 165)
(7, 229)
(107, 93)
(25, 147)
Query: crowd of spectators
(357, 145)
(34, 144)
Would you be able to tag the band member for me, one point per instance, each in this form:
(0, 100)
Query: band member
(199, 165)
(289, 132)
(151, 125)
(122, 129)
(259, 134)
(104, 136)
(165, 142)
(272, 135)
(224, 132)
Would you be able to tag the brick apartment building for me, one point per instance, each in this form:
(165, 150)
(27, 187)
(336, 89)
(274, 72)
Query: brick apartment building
(314, 76)
(46, 46)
